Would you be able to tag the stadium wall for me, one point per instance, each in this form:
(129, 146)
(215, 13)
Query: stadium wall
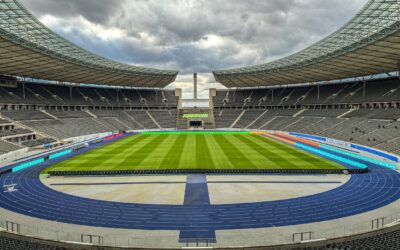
(13, 155)
(87, 137)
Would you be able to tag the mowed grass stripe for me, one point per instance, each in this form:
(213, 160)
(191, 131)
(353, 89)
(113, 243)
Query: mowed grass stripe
(118, 154)
(316, 161)
(281, 156)
(188, 157)
(111, 147)
(97, 156)
(266, 151)
(133, 160)
(234, 155)
(203, 156)
(171, 160)
(108, 149)
(220, 159)
(301, 159)
(156, 157)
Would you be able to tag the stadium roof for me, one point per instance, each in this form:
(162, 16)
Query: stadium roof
(368, 44)
(30, 49)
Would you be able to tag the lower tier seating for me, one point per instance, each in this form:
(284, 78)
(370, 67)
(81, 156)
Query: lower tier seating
(387, 241)
(6, 147)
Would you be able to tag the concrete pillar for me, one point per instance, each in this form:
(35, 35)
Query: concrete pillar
(178, 93)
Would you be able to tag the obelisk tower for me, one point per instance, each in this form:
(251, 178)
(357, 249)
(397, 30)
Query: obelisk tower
(195, 87)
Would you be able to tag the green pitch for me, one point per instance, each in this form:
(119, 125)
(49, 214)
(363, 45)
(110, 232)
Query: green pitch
(149, 151)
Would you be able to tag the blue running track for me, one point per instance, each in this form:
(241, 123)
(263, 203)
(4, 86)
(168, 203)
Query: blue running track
(362, 193)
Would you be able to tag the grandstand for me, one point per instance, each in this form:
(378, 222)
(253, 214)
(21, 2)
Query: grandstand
(298, 153)
(36, 114)
(363, 112)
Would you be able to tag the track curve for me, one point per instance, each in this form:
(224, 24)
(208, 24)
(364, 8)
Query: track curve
(362, 193)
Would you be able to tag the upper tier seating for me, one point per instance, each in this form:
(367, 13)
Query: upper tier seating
(385, 114)
(47, 94)
(386, 90)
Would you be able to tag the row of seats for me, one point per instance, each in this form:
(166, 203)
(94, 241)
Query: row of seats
(34, 93)
(16, 131)
(22, 115)
(165, 119)
(70, 125)
(38, 142)
(6, 147)
(14, 137)
(386, 90)
(68, 114)
(386, 240)
(225, 118)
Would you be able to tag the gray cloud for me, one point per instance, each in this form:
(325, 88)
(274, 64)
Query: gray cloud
(194, 35)
(98, 11)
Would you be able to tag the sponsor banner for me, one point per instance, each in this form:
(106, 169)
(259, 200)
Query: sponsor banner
(313, 137)
(338, 143)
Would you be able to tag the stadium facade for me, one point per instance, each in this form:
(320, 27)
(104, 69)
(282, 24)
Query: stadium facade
(76, 102)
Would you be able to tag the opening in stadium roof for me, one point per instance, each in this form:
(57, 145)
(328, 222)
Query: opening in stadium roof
(29, 49)
(368, 44)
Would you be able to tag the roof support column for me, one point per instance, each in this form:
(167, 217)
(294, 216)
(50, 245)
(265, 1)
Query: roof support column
(364, 90)
(117, 96)
(23, 90)
(272, 94)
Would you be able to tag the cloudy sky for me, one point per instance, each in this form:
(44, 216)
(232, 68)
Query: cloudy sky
(194, 35)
